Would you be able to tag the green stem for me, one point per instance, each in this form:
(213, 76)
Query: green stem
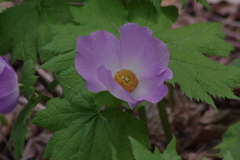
(143, 117)
(20, 85)
(170, 94)
(42, 95)
(164, 119)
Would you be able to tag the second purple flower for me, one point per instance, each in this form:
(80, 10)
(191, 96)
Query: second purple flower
(133, 69)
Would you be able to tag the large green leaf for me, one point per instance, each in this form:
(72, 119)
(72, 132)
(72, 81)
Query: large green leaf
(143, 13)
(25, 28)
(231, 141)
(77, 119)
(199, 77)
(106, 15)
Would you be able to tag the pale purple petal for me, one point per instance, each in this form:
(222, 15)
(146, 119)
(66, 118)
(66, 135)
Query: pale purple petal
(100, 48)
(105, 76)
(141, 53)
(157, 94)
(152, 88)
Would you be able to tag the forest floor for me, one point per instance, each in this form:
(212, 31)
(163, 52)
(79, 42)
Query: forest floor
(197, 126)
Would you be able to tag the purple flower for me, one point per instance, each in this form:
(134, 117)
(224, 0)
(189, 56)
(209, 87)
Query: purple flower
(133, 69)
(9, 91)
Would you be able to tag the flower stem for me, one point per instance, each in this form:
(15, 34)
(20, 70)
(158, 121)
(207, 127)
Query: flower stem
(170, 94)
(143, 117)
(43, 96)
(20, 85)
(164, 119)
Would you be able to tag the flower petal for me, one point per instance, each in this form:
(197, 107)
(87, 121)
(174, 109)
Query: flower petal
(100, 48)
(8, 82)
(152, 90)
(9, 102)
(105, 76)
(4, 63)
(141, 53)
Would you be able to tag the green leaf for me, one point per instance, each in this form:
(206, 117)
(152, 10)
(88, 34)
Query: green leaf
(157, 4)
(230, 141)
(19, 130)
(65, 37)
(28, 79)
(60, 63)
(203, 2)
(235, 63)
(199, 77)
(144, 14)
(171, 152)
(114, 153)
(106, 15)
(141, 153)
(94, 131)
(52, 85)
(106, 98)
(228, 156)
(60, 114)
(3, 120)
(31, 31)
(203, 37)
(75, 92)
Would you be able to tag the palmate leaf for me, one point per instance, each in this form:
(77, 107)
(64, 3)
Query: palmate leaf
(25, 27)
(77, 119)
(198, 76)
(230, 141)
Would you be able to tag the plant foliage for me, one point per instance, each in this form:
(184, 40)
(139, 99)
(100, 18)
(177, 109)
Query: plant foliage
(230, 141)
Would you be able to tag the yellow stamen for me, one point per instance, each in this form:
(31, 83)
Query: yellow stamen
(127, 79)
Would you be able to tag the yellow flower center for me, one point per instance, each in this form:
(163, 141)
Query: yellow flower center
(127, 79)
